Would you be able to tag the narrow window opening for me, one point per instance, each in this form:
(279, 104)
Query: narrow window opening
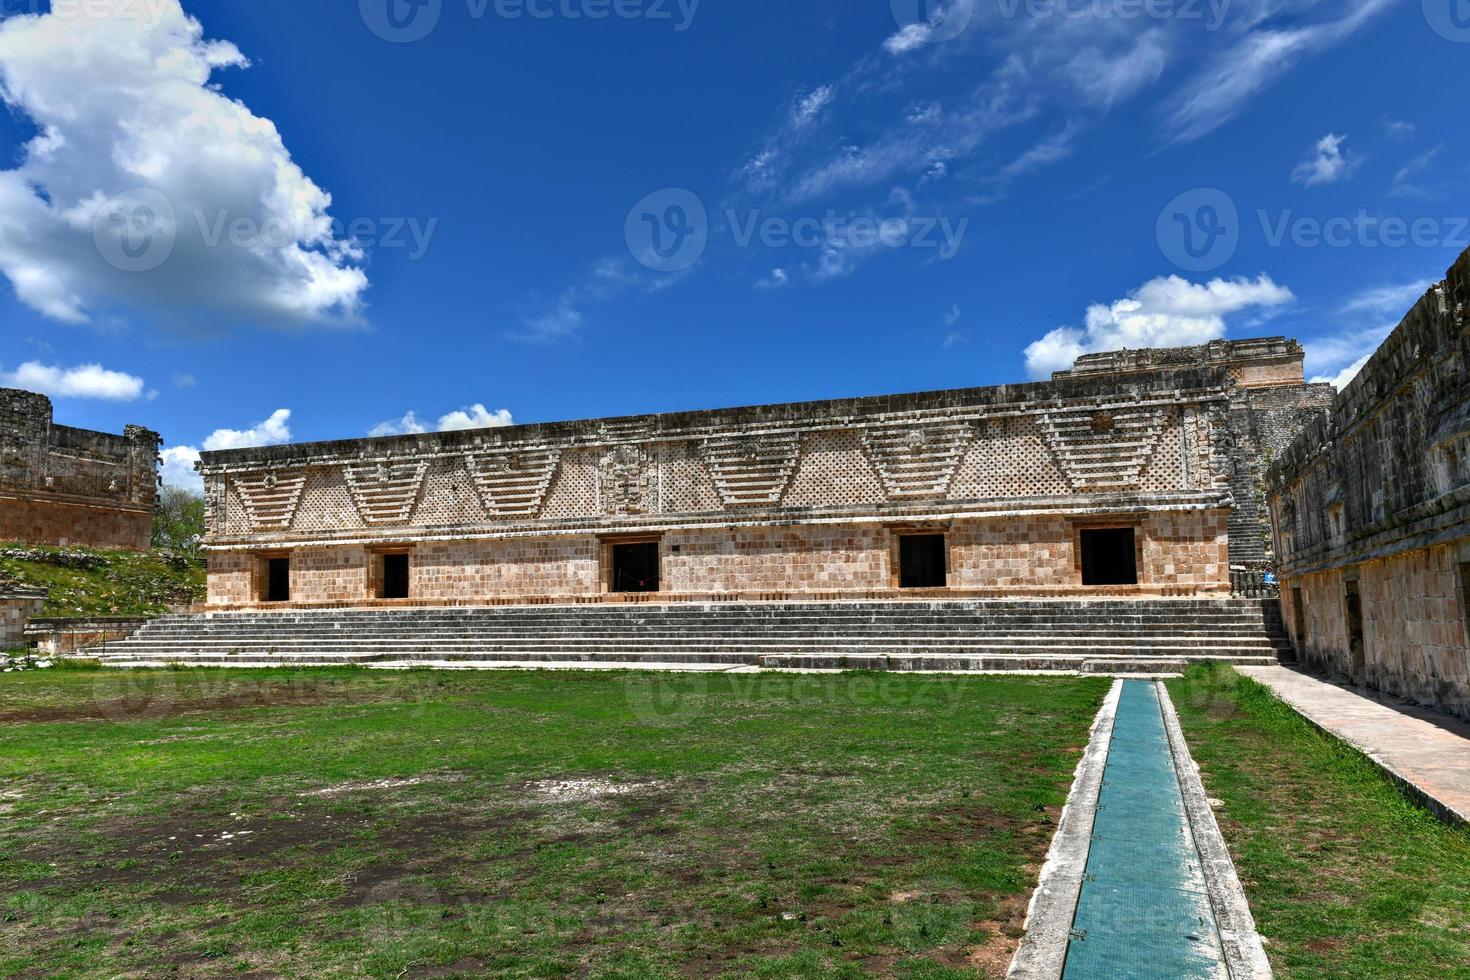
(635, 567)
(395, 577)
(1109, 556)
(921, 562)
(278, 580)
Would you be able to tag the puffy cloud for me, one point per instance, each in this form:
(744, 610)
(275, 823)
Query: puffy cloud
(474, 417)
(149, 188)
(1164, 312)
(272, 432)
(179, 461)
(778, 279)
(1327, 163)
(85, 381)
(178, 468)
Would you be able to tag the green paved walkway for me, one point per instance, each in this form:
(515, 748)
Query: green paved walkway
(1144, 909)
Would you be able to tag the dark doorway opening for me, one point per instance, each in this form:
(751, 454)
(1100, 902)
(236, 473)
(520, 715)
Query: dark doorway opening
(278, 580)
(921, 562)
(395, 577)
(1356, 644)
(1109, 556)
(635, 567)
(1299, 615)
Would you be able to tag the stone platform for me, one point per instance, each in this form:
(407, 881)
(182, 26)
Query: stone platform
(1159, 636)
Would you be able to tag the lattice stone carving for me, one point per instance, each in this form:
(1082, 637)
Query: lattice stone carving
(514, 484)
(754, 470)
(270, 499)
(1108, 459)
(917, 461)
(385, 492)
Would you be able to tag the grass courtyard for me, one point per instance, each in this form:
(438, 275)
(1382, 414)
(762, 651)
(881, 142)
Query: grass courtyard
(351, 823)
(1346, 878)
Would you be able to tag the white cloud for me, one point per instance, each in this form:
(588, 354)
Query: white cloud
(1164, 312)
(409, 425)
(1341, 379)
(778, 279)
(475, 417)
(1397, 130)
(1265, 52)
(126, 105)
(1106, 78)
(272, 432)
(178, 468)
(1405, 182)
(1387, 300)
(84, 381)
(810, 105)
(1327, 163)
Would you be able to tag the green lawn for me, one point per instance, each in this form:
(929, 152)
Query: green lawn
(353, 823)
(1345, 877)
(87, 582)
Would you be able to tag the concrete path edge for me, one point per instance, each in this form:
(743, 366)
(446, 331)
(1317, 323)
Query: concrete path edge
(1042, 954)
(1245, 955)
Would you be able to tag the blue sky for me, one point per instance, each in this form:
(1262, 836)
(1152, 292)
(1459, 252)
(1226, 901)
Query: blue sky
(247, 223)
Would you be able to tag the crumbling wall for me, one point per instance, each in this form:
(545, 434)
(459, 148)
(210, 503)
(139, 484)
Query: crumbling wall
(1374, 499)
(73, 487)
(17, 604)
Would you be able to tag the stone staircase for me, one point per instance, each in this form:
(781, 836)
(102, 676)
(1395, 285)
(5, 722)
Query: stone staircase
(1148, 636)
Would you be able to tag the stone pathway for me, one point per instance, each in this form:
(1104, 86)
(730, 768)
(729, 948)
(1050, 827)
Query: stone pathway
(1426, 752)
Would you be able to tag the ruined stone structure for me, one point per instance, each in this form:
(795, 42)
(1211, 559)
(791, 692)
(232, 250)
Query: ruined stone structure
(1105, 481)
(1270, 404)
(18, 603)
(64, 486)
(1371, 507)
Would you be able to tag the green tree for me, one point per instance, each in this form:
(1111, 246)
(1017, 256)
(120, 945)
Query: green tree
(178, 521)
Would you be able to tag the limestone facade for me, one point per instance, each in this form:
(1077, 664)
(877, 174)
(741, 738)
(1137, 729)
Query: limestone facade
(1371, 508)
(73, 487)
(1010, 486)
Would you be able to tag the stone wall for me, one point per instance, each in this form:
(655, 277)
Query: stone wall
(1270, 404)
(1181, 553)
(1373, 500)
(784, 500)
(17, 604)
(73, 487)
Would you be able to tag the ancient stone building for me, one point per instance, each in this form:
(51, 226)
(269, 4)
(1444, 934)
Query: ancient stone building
(1100, 482)
(18, 603)
(65, 486)
(1372, 513)
(1270, 404)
